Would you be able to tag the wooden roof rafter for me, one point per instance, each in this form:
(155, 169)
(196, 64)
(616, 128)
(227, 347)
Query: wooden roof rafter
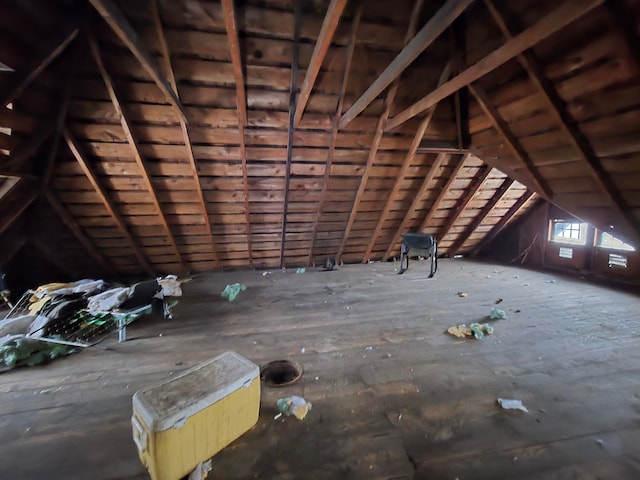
(413, 48)
(166, 56)
(404, 169)
(20, 79)
(329, 25)
(555, 106)
(118, 22)
(91, 175)
(135, 149)
(501, 126)
(335, 126)
(498, 227)
(445, 189)
(462, 203)
(551, 23)
(70, 222)
(495, 198)
(417, 200)
(377, 138)
(236, 61)
(29, 194)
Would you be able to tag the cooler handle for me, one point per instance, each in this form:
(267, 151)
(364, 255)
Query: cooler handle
(139, 435)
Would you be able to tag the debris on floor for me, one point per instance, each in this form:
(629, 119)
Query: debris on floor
(498, 301)
(47, 322)
(497, 314)
(292, 405)
(460, 331)
(512, 404)
(201, 471)
(462, 294)
(476, 330)
(301, 270)
(232, 290)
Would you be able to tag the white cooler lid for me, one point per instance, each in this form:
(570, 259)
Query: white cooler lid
(171, 403)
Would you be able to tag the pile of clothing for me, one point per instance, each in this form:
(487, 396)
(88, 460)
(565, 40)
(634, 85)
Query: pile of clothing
(55, 318)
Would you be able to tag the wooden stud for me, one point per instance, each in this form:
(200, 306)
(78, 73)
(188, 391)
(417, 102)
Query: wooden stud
(555, 105)
(406, 164)
(19, 206)
(495, 198)
(236, 61)
(463, 202)
(377, 138)
(166, 56)
(70, 222)
(126, 126)
(417, 199)
(32, 142)
(432, 29)
(497, 228)
(329, 25)
(123, 29)
(20, 79)
(91, 175)
(335, 126)
(546, 26)
(24, 175)
(245, 190)
(443, 192)
(539, 183)
(292, 108)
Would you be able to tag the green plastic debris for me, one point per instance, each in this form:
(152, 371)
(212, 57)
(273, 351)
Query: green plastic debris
(232, 291)
(27, 351)
(293, 405)
(497, 314)
(480, 329)
(301, 270)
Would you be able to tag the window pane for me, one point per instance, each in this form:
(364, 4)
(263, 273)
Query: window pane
(569, 232)
(607, 240)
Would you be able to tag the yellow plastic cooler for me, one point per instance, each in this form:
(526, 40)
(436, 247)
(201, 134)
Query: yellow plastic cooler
(187, 420)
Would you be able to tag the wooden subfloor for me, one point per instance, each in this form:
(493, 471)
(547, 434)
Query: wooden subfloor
(394, 396)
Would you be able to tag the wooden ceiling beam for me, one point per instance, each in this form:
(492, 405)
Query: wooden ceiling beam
(417, 199)
(406, 164)
(501, 126)
(236, 60)
(543, 28)
(329, 25)
(498, 227)
(463, 202)
(495, 198)
(118, 22)
(292, 108)
(135, 149)
(32, 142)
(166, 56)
(377, 138)
(445, 189)
(91, 175)
(335, 126)
(432, 30)
(70, 222)
(20, 79)
(567, 124)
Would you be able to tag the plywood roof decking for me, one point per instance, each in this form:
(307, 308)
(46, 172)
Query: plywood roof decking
(560, 119)
(393, 395)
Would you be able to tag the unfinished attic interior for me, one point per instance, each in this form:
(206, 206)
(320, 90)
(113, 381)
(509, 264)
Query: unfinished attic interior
(249, 143)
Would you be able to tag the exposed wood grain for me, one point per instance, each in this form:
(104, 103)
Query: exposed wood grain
(123, 29)
(71, 223)
(126, 125)
(329, 25)
(539, 183)
(377, 138)
(477, 221)
(432, 29)
(406, 164)
(551, 23)
(166, 56)
(234, 50)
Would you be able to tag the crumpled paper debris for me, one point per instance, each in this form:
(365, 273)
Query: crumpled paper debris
(293, 405)
(512, 404)
(477, 330)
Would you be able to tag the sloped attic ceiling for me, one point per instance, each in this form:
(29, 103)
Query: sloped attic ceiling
(165, 137)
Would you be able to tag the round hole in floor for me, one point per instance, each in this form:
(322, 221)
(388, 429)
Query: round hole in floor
(279, 373)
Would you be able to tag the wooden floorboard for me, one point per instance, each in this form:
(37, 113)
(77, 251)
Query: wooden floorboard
(394, 396)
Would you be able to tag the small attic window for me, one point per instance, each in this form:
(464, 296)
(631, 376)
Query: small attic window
(608, 241)
(568, 232)
(6, 131)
